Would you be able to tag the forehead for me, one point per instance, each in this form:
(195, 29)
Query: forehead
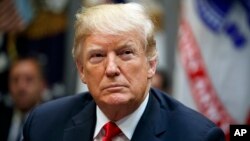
(106, 40)
(24, 67)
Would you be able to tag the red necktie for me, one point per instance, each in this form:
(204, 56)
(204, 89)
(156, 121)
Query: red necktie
(111, 130)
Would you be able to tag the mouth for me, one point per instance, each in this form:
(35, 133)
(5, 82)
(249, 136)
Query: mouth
(114, 87)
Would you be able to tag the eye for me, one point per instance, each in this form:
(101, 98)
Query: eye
(96, 57)
(126, 54)
(29, 79)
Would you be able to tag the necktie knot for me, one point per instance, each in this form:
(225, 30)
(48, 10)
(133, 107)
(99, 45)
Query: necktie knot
(111, 130)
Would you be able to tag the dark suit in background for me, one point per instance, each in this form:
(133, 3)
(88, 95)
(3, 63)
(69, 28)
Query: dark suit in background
(5, 121)
(73, 119)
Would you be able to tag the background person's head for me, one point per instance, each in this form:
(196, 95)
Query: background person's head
(115, 54)
(162, 81)
(26, 83)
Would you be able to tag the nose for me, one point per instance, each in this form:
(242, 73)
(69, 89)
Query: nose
(22, 83)
(112, 67)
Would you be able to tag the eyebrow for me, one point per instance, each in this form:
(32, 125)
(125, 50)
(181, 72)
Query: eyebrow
(127, 44)
(93, 47)
(96, 48)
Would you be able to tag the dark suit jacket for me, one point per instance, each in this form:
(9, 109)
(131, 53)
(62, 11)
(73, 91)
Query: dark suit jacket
(6, 114)
(73, 119)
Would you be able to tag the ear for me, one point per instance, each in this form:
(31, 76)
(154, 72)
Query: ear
(80, 71)
(152, 68)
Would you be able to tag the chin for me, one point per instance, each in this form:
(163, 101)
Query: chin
(117, 99)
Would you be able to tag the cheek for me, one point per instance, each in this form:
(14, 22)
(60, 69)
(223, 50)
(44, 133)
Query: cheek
(136, 73)
(36, 89)
(93, 75)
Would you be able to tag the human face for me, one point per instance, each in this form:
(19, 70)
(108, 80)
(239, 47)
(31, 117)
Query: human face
(25, 84)
(115, 69)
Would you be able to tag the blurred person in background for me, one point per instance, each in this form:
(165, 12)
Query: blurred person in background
(162, 81)
(26, 86)
(115, 53)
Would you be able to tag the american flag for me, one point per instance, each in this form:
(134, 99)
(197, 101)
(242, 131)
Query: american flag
(212, 68)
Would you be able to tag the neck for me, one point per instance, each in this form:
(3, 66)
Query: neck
(118, 112)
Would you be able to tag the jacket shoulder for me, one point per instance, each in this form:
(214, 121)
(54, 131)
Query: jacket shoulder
(65, 103)
(47, 121)
(185, 121)
(179, 110)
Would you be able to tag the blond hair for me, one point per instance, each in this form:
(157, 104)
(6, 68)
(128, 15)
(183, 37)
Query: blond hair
(115, 19)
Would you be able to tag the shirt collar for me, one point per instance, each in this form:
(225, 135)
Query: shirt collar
(126, 124)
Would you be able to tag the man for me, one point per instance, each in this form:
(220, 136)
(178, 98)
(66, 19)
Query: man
(116, 57)
(26, 85)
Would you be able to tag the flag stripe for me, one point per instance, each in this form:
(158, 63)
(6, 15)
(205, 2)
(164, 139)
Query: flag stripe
(9, 18)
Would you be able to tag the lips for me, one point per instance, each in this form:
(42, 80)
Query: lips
(114, 87)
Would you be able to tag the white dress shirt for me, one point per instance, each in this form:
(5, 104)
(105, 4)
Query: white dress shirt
(17, 123)
(126, 124)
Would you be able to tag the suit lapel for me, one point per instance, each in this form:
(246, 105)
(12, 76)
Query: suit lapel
(153, 123)
(83, 125)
